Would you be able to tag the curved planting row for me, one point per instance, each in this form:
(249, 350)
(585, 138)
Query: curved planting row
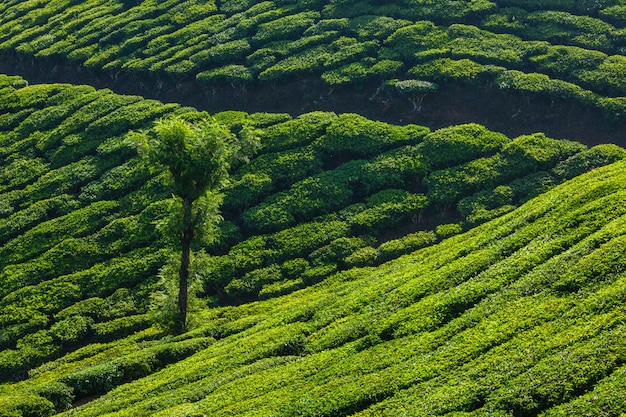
(80, 254)
(520, 316)
(570, 50)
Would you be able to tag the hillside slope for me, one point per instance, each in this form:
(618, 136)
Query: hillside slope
(523, 315)
(80, 254)
(534, 58)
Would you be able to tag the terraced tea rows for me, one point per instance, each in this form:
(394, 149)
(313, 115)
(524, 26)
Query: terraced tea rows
(522, 315)
(555, 49)
(80, 252)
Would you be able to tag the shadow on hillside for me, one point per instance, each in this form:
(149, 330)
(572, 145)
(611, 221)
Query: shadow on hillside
(510, 113)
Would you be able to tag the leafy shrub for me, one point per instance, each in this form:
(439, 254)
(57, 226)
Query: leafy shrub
(447, 230)
(563, 60)
(232, 74)
(561, 27)
(351, 134)
(408, 40)
(398, 168)
(406, 244)
(71, 329)
(297, 132)
(455, 145)
(247, 191)
(302, 239)
(534, 84)
(287, 27)
(449, 185)
(120, 327)
(313, 196)
(59, 394)
(361, 257)
(447, 70)
(286, 167)
(338, 251)
(364, 70)
(387, 209)
(253, 281)
(487, 47)
(537, 152)
(26, 405)
(293, 268)
(606, 78)
(376, 27)
(485, 200)
(589, 159)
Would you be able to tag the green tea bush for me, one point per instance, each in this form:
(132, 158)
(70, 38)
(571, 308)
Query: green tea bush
(606, 78)
(26, 405)
(297, 132)
(361, 257)
(420, 36)
(252, 282)
(287, 27)
(233, 74)
(338, 251)
(447, 70)
(300, 240)
(615, 14)
(563, 60)
(120, 327)
(59, 394)
(71, 329)
(313, 196)
(398, 168)
(247, 191)
(538, 152)
(23, 220)
(485, 200)
(376, 27)
(490, 48)
(589, 159)
(286, 167)
(388, 209)
(406, 244)
(563, 27)
(293, 268)
(354, 135)
(533, 84)
(364, 70)
(459, 144)
(449, 185)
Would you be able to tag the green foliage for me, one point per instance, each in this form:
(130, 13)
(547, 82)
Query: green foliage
(533, 294)
(447, 70)
(458, 144)
(406, 244)
(352, 134)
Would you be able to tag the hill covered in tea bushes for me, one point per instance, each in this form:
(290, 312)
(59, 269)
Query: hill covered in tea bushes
(80, 252)
(362, 268)
(522, 315)
(311, 51)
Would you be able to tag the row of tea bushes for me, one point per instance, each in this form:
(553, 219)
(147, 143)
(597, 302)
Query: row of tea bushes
(326, 192)
(346, 43)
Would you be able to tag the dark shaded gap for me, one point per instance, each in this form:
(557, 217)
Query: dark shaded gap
(510, 113)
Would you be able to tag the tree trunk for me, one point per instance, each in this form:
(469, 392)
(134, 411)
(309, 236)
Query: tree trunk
(185, 260)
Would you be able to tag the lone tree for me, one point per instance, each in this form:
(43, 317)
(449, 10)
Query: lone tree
(414, 90)
(197, 156)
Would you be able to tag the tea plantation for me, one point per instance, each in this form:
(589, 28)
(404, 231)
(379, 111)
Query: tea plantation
(326, 196)
(359, 268)
(572, 50)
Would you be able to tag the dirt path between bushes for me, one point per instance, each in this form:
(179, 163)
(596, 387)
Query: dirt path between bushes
(509, 113)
